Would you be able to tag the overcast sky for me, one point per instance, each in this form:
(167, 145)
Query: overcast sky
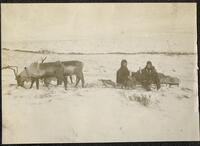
(175, 23)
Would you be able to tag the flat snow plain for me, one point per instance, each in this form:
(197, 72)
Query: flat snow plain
(96, 113)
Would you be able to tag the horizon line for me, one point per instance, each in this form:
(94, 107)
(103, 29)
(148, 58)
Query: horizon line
(91, 53)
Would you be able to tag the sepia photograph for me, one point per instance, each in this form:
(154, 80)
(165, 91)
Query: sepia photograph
(99, 72)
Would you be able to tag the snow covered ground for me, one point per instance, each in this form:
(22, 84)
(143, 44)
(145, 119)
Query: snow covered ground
(98, 114)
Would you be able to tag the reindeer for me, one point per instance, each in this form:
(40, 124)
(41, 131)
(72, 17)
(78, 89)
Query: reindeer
(48, 80)
(57, 69)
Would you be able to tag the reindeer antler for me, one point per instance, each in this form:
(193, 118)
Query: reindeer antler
(12, 68)
(43, 59)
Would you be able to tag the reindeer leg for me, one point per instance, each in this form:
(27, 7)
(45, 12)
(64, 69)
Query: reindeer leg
(60, 82)
(32, 82)
(57, 81)
(37, 83)
(82, 80)
(71, 79)
(77, 80)
(65, 82)
(46, 83)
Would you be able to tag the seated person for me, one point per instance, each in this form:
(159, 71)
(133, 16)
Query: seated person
(123, 73)
(149, 76)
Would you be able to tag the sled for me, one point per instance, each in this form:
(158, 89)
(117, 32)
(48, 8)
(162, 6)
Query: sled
(132, 83)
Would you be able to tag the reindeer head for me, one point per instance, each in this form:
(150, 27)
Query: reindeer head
(15, 71)
(29, 72)
(21, 77)
(26, 74)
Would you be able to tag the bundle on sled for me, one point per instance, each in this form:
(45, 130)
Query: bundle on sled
(168, 80)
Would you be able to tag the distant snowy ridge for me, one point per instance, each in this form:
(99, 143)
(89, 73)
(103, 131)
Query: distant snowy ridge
(45, 51)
